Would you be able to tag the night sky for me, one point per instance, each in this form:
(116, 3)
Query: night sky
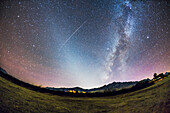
(85, 43)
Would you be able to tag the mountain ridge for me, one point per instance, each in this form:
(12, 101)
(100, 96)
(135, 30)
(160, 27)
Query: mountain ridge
(109, 89)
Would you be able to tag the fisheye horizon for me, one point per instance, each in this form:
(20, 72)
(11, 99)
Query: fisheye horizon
(84, 43)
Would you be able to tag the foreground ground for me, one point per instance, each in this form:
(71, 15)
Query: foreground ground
(17, 99)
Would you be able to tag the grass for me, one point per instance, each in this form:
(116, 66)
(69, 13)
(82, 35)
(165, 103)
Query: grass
(17, 99)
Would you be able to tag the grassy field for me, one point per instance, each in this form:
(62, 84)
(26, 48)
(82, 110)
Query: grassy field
(17, 99)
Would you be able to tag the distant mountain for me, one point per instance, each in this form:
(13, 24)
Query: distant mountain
(106, 88)
(115, 86)
(68, 89)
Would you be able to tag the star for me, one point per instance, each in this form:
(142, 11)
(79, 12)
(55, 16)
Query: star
(33, 45)
(84, 44)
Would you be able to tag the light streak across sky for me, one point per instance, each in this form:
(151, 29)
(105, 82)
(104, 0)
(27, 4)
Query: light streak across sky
(85, 43)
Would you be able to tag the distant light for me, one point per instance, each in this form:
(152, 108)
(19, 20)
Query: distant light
(147, 37)
(18, 16)
(33, 45)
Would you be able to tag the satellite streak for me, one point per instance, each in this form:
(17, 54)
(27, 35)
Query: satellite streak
(72, 35)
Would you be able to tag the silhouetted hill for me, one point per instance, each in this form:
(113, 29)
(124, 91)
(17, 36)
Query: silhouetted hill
(114, 88)
(17, 99)
(2, 70)
(110, 87)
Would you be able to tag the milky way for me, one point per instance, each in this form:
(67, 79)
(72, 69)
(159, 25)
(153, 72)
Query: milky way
(84, 43)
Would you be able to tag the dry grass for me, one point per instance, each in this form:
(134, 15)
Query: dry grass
(17, 99)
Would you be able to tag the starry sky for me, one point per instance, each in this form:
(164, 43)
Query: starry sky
(85, 43)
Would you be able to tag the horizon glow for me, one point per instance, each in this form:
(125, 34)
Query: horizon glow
(84, 43)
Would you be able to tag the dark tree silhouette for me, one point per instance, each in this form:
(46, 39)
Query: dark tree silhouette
(155, 75)
(161, 75)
